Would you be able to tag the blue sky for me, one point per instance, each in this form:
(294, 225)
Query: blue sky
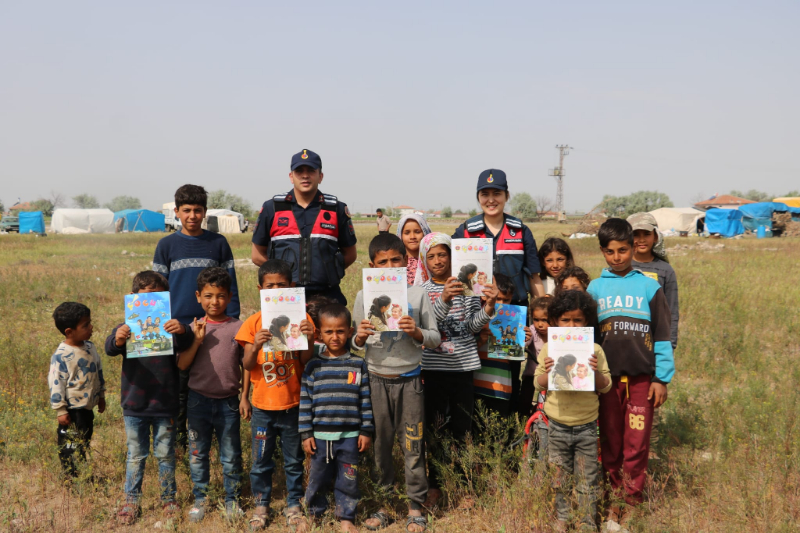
(406, 102)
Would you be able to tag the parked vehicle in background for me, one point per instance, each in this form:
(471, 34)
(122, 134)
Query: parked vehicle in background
(171, 222)
(9, 223)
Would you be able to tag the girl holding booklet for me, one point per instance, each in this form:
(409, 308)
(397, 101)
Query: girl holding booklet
(572, 433)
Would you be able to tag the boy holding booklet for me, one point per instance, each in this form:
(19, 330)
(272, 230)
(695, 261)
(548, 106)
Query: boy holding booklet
(275, 381)
(396, 385)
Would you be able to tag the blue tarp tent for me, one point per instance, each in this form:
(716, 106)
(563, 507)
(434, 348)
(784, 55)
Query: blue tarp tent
(31, 222)
(140, 220)
(760, 214)
(726, 222)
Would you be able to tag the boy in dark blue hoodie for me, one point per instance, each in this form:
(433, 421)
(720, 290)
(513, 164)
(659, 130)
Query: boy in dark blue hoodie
(635, 335)
(149, 395)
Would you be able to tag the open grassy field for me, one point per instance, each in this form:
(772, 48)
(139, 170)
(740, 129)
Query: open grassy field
(730, 437)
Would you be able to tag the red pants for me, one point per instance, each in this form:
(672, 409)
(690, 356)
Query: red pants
(626, 418)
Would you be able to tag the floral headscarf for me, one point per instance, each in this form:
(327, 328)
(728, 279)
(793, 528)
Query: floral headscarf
(429, 241)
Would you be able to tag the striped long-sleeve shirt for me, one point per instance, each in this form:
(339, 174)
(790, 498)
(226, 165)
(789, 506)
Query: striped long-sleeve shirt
(334, 396)
(458, 323)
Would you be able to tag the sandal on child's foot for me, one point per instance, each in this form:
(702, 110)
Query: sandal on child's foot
(170, 509)
(420, 522)
(381, 517)
(197, 512)
(296, 520)
(127, 514)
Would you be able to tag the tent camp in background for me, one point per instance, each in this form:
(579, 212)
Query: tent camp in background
(139, 220)
(224, 221)
(760, 214)
(673, 221)
(725, 222)
(74, 221)
(31, 222)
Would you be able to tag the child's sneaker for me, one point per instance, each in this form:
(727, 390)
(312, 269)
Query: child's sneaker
(233, 511)
(198, 511)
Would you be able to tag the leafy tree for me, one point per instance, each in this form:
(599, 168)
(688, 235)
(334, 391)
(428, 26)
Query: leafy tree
(791, 194)
(224, 200)
(2, 207)
(123, 202)
(752, 194)
(523, 206)
(458, 212)
(473, 212)
(623, 206)
(447, 212)
(44, 205)
(85, 201)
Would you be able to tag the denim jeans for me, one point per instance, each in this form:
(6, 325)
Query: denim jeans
(137, 430)
(336, 462)
(573, 451)
(209, 416)
(266, 427)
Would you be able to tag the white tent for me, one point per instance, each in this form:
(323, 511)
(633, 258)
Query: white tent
(225, 225)
(673, 220)
(71, 221)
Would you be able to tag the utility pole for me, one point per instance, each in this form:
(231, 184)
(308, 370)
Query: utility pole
(558, 173)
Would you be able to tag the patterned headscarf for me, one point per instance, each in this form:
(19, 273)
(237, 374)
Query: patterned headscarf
(429, 241)
(659, 249)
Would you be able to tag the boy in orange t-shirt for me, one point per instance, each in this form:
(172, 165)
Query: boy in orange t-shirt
(275, 379)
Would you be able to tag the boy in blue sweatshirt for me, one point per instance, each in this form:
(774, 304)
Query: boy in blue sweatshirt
(149, 397)
(635, 335)
(335, 420)
(180, 258)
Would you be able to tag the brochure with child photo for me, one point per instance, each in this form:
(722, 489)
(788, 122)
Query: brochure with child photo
(507, 328)
(146, 313)
(472, 264)
(571, 349)
(385, 297)
(282, 310)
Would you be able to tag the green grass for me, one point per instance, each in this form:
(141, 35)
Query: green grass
(730, 436)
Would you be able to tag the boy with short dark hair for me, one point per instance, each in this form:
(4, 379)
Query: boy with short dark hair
(275, 380)
(76, 384)
(635, 334)
(180, 258)
(149, 397)
(396, 384)
(214, 362)
(335, 418)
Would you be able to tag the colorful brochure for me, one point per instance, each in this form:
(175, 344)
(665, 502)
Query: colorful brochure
(571, 349)
(282, 310)
(472, 264)
(507, 328)
(385, 297)
(146, 313)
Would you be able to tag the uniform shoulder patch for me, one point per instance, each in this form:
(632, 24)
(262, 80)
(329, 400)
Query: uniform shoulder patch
(280, 197)
(513, 222)
(347, 211)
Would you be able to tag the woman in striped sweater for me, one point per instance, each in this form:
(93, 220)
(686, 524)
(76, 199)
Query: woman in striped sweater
(447, 370)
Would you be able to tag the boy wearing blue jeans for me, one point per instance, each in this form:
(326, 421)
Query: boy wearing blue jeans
(275, 380)
(149, 397)
(214, 362)
(335, 418)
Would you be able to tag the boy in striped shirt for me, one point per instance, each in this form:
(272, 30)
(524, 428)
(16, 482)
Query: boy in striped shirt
(335, 416)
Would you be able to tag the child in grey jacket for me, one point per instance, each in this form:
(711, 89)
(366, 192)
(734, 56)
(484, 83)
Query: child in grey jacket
(396, 385)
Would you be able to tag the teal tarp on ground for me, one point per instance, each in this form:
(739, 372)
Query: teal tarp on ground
(140, 220)
(31, 222)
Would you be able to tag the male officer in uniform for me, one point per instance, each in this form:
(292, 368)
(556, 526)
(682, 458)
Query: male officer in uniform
(308, 229)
